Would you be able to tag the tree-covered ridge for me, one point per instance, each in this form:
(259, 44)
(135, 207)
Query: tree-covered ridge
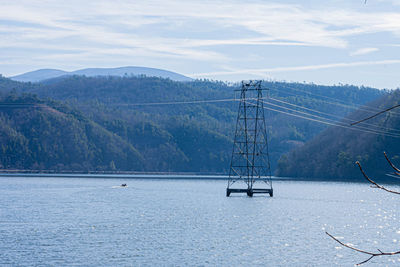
(194, 137)
(46, 135)
(333, 153)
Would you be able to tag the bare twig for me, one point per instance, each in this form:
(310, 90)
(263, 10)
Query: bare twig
(374, 183)
(397, 170)
(373, 116)
(371, 254)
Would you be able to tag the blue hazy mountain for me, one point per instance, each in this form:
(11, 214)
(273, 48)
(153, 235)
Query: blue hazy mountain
(45, 74)
(39, 75)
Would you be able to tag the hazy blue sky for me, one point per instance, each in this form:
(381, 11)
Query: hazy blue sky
(320, 41)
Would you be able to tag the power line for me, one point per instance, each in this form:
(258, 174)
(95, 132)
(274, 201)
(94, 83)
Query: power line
(181, 102)
(373, 116)
(317, 118)
(342, 104)
(331, 115)
(331, 123)
(326, 97)
(34, 105)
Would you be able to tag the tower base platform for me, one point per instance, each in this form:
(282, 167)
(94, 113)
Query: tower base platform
(250, 191)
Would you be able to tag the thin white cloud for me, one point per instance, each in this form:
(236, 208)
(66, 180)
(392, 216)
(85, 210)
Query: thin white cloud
(248, 41)
(364, 51)
(197, 32)
(282, 23)
(298, 68)
(393, 2)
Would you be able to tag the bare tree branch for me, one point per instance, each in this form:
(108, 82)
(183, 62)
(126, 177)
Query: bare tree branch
(371, 254)
(374, 183)
(397, 170)
(373, 116)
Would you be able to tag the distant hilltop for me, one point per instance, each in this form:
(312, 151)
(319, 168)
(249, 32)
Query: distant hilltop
(45, 74)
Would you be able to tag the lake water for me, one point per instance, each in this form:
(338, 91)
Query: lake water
(93, 222)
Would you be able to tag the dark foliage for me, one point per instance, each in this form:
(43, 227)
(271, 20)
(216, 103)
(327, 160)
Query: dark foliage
(96, 123)
(41, 135)
(333, 153)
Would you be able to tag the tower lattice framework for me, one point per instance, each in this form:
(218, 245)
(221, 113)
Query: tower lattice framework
(250, 157)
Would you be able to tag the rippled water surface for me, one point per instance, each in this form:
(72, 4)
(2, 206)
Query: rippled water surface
(93, 222)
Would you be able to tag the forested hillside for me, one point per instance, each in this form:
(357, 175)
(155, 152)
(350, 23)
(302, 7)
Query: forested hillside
(46, 135)
(333, 153)
(161, 125)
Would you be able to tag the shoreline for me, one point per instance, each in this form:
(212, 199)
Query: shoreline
(164, 176)
(178, 176)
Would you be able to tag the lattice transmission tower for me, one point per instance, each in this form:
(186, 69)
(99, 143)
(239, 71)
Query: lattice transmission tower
(250, 157)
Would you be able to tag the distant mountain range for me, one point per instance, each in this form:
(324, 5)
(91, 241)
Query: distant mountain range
(45, 74)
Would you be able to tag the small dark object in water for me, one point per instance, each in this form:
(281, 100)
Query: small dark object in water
(123, 185)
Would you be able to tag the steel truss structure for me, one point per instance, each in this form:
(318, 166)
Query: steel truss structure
(250, 158)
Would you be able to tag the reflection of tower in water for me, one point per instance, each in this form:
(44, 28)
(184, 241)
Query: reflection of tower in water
(250, 158)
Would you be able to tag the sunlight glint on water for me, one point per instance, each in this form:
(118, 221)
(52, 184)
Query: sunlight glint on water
(83, 221)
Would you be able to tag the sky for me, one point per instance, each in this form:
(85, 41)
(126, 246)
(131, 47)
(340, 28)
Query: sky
(312, 41)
